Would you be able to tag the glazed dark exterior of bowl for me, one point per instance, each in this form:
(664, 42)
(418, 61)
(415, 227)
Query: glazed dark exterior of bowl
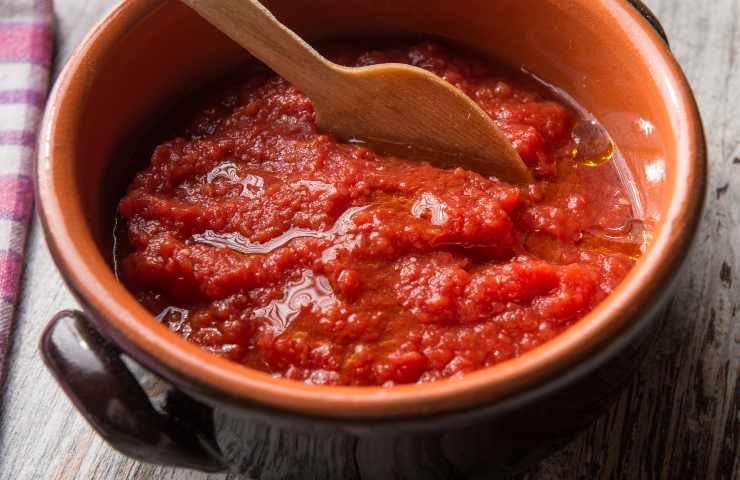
(188, 409)
(172, 428)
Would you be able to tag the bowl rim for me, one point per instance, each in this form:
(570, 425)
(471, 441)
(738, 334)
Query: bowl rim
(129, 324)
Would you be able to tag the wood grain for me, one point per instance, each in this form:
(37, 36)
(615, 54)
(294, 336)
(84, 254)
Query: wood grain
(680, 418)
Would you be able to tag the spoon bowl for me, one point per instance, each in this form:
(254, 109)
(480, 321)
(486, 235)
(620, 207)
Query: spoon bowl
(406, 105)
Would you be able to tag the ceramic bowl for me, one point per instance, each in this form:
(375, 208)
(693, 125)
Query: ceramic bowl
(611, 55)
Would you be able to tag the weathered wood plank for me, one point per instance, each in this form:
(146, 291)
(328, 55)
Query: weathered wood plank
(680, 418)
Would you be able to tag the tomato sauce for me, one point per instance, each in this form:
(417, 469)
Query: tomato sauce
(269, 243)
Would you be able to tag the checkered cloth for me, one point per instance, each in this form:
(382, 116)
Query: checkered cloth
(25, 57)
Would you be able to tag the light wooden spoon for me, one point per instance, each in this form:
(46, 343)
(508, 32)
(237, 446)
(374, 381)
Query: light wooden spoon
(387, 103)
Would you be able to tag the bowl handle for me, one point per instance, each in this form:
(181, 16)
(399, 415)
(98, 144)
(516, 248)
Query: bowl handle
(651, 19)
(92, 374)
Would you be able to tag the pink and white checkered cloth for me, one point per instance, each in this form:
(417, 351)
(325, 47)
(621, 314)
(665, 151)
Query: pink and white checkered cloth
(25, 58)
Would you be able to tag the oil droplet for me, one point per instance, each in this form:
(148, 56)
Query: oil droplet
(631, 243)
(252, 185)
(594, 146)
(237, 242)
(315, 186)
(611, 246)
(310, 289)
(176, 320)
(428, 202)
(170, 311)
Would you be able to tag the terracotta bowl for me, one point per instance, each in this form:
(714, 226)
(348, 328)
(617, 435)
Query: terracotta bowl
(610, 55)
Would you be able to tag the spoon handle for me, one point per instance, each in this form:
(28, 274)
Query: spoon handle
(252, 26)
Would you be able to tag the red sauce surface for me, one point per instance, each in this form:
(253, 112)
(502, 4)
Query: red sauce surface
(274, 245)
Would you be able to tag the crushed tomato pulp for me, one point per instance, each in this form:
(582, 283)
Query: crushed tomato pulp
(269, 243)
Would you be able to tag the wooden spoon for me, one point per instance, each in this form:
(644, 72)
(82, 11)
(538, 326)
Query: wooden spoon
(380, 104)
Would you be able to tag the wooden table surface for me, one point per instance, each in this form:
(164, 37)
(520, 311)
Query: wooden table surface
(680, 417)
